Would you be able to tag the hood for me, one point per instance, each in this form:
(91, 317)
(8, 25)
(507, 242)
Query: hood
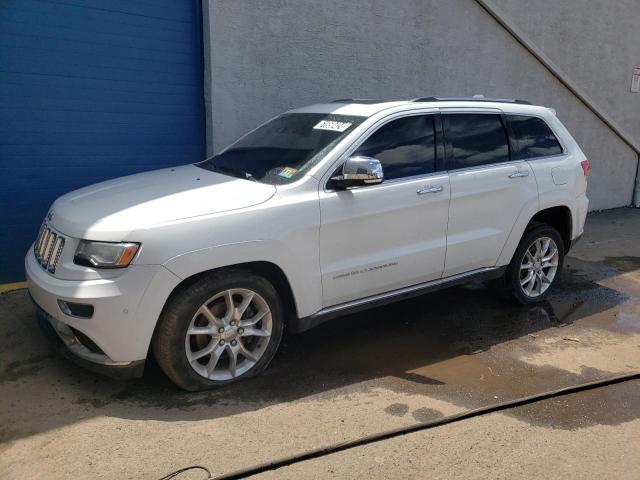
(111, 210)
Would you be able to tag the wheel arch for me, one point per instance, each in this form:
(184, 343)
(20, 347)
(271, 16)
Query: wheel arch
(268, 270)
(558, 217)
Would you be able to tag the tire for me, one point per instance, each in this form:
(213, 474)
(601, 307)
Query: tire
(514, 282)
(188, 341)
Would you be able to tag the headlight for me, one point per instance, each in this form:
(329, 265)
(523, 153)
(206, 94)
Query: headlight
(105, 254)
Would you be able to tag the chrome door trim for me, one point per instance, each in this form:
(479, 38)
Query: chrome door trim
(519, 174)
(430, 189)
(394, 181)
(514, 163)
(403, 291)
(305, 323)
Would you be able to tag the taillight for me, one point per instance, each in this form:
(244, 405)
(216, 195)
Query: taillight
(586, 167)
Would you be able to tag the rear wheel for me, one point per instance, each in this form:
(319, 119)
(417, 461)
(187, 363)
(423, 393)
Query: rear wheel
(536, 265)
(225, 327)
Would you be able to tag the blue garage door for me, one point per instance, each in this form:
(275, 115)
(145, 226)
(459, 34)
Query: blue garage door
(89, 91)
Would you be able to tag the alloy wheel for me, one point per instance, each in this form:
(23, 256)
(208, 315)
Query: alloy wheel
(539, 266)
(228, 334)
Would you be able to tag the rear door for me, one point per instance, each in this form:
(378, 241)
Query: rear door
(489, 188)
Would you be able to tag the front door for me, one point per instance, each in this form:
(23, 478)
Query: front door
(379, 238)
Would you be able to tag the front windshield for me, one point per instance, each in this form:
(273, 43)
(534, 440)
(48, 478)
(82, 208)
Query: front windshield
(281, 150)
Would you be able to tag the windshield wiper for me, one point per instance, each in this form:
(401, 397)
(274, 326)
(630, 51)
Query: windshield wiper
(234, 172)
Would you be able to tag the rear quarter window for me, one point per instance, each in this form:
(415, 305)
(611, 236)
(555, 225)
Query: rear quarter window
(533, 137)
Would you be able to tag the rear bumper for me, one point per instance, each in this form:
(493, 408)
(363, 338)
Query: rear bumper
(68, 344)
(573, 243)
(579, 216)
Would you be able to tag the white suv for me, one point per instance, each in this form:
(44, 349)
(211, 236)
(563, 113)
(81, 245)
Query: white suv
(320, 211)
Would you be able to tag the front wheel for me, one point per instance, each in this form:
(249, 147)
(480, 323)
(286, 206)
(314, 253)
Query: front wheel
(225, 327)
(536, 265)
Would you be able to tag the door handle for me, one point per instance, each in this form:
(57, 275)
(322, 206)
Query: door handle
(519, 174)
(430, 189)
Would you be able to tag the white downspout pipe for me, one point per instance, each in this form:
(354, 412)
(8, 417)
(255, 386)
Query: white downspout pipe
(636, 191)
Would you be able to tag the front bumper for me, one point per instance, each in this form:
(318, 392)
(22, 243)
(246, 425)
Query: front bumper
(126, 309)
(69, 346)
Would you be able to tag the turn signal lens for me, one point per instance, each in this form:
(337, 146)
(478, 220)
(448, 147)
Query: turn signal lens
(586, 167)
(128, 254)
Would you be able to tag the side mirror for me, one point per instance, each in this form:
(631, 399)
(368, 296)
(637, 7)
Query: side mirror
(359, 171)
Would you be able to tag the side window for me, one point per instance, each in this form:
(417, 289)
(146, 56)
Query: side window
(534, 137)
(475, 139)
(405, 147)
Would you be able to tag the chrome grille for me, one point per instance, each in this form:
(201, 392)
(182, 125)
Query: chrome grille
(48, 248)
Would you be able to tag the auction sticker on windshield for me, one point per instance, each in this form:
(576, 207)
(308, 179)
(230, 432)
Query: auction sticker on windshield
(332, 125)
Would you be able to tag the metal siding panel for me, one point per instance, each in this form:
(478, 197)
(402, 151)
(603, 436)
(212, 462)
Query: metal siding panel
(90, 92)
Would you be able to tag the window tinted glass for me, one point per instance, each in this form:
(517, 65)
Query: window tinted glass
(281, 150)
(476, 139)
(534, 137)
(405, 147)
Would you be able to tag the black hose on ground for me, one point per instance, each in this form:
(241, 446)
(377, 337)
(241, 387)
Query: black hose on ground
(396, 432)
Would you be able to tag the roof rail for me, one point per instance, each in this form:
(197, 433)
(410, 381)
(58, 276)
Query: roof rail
(360, 100)
(475, 98)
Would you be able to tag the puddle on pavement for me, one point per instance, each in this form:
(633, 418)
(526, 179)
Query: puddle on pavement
(611, 405)
(624, 263)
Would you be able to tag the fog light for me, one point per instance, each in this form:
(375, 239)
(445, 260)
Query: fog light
(80, 310)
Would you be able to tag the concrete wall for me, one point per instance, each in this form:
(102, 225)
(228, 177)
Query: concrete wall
(269, 56)
(596, 43)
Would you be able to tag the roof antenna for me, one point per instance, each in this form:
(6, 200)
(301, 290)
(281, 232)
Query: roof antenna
(478, 95)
